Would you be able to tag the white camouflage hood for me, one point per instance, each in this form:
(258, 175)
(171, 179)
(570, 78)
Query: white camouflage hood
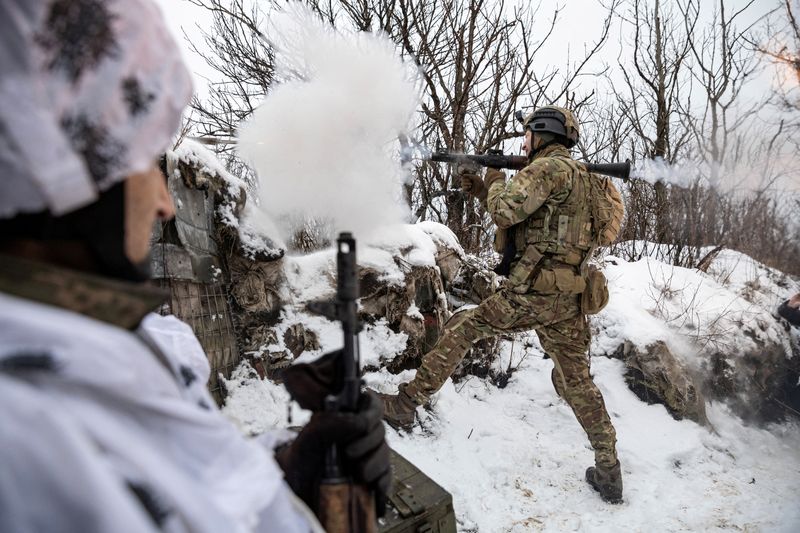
(90, 92)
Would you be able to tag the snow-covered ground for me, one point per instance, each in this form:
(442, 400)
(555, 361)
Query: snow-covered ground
(514, 458)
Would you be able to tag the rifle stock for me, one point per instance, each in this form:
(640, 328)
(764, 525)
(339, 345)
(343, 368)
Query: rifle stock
(344, 507)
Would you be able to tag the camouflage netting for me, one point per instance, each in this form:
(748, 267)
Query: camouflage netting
(423, 294)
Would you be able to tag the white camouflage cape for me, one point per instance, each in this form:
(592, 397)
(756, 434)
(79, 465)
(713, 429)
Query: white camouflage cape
(96, 435)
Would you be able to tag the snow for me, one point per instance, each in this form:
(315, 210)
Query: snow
(414, 312)
(378, 343)
(198, 156)
(256, 405)
(730, 309)
(442, 236)
(514, 457)
(407, 241)
(394, 249)
(527, 455)
(390, 250)
(312, 277)
(258, 234)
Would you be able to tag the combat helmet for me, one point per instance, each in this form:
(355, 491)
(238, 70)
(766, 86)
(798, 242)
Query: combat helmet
(555, 120)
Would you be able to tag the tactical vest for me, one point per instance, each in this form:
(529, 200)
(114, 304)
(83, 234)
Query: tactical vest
(562, 232)
(554, 242)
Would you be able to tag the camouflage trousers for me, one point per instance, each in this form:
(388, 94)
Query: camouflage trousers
(564, 335)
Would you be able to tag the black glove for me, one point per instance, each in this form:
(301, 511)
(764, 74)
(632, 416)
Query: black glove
(360, 438)
(310, 383)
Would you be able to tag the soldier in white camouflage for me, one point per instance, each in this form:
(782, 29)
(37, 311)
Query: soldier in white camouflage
(547, 209)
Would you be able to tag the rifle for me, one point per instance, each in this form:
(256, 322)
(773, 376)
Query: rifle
(343, 506)
(496, 159)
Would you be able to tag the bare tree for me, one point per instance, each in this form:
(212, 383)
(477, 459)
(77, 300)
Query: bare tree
(724, 63)
(234, 48)
(782, 45)
(477, 63)
(684, 101)
(650, 101)
(658, 82)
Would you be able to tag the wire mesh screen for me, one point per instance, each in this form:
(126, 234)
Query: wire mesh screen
(204, 306)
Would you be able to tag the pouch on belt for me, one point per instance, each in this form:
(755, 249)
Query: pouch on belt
(559, 280)
(595, 296)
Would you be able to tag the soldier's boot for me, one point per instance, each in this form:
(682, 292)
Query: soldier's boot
(399, 409)
(606, 481)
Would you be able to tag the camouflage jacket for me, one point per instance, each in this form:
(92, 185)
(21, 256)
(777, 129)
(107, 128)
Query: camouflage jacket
(122, 304)
(543, 179)
(548, 205)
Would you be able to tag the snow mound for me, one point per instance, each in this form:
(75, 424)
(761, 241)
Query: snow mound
(198, 156)
(730, 309)
(259, 237)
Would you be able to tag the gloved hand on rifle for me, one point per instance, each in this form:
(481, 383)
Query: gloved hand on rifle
(360, 436)
(471, 182)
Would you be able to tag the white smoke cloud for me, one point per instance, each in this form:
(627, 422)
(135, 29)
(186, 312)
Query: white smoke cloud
(777, 173)
(322, 142)
(655, 170)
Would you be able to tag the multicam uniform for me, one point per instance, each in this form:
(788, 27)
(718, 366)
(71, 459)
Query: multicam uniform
(549, 205)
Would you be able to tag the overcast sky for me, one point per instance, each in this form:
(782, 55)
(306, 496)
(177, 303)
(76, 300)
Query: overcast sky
(580, 26)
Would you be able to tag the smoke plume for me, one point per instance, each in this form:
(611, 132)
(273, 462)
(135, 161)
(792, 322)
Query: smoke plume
(323, 142)
(778, 174)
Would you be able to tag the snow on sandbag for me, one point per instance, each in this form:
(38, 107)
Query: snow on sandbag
(403, 271)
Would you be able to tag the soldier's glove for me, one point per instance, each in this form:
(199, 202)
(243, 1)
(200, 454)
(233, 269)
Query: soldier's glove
(309, 383)
(471, 182)
(360, 438)
(492, 175)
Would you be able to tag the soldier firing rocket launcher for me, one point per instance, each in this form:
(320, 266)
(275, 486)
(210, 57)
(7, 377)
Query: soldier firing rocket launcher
(504, 239)
(496, 159)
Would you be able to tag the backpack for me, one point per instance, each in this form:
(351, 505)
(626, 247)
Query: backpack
(608, 210)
